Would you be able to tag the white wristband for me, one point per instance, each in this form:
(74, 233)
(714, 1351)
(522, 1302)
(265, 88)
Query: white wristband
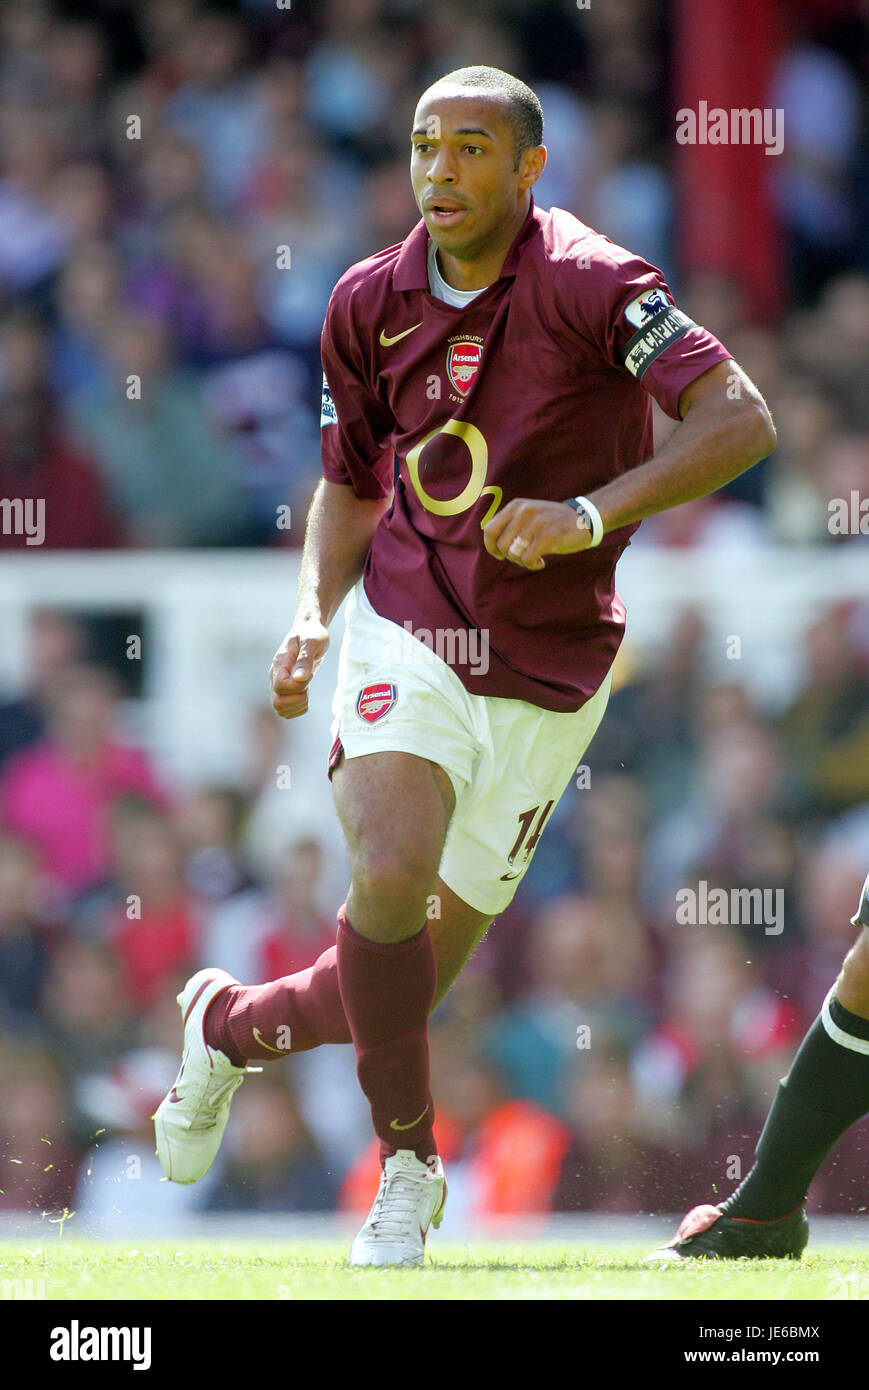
(593, 517)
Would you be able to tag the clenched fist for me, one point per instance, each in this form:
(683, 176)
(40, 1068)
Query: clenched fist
(293, 665)
(526, 529)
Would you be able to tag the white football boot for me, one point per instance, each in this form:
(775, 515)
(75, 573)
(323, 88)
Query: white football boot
(190, 1120)
(410, 1198)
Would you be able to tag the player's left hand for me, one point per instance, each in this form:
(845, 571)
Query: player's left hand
(526, 530)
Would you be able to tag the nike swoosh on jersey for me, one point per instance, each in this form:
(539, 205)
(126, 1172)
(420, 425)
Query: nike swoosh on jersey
(387, 342)
(393, 1124)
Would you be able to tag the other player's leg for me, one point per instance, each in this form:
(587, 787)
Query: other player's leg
(823, 1094)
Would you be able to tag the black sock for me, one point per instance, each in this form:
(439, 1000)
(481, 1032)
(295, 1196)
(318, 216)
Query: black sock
(823, 1094)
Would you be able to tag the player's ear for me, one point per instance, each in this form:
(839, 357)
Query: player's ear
(532, 162)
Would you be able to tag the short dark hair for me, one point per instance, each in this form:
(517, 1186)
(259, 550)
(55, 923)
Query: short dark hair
(524, 111)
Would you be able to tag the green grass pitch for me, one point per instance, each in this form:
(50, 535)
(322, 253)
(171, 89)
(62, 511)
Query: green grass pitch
(71, 1269)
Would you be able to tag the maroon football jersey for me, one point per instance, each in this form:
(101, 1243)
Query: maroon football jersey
(537, 388)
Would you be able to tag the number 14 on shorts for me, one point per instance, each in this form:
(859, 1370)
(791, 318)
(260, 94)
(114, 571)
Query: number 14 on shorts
(526, 840)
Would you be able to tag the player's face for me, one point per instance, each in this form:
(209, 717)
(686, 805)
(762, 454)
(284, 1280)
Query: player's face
(464, 175)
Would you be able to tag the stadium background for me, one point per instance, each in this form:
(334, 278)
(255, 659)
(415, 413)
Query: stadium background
(156, 816)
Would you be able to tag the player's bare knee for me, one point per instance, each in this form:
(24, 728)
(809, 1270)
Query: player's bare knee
(852, 986)
(391, 888)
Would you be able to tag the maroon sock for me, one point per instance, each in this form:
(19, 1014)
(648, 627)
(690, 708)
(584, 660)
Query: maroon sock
(294, 1014)
(387, 992)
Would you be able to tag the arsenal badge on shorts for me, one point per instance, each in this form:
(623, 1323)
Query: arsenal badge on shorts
(375, 701)
(463, 363)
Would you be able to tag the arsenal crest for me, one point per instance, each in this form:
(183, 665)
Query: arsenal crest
(463, 363)
(375, 701)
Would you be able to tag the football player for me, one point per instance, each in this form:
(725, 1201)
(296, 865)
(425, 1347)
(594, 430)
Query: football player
(506, 357)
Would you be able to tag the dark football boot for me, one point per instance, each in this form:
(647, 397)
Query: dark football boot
(706, 1233)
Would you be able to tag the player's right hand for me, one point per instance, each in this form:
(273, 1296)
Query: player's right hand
(293, 666)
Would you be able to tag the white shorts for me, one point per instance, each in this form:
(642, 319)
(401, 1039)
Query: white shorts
(508, 760)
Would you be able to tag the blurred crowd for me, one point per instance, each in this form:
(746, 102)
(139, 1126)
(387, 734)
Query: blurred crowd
(600, 1051)
(181, 184)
